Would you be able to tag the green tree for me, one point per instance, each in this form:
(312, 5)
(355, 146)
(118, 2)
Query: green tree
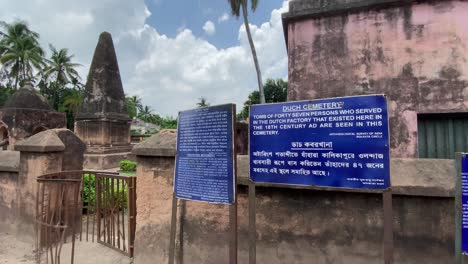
(6, 87)
(134, 105)
(73, 101)
(236, 6)
(145, 113)
(60, 83)
(203, 102)
(60, 67)
(131, 108)
(73, 98)
(5, 93)
(276, 91)
(168, 122)
(20, 51)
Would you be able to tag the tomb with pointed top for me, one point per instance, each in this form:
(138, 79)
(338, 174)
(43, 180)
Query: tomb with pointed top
(102, 121)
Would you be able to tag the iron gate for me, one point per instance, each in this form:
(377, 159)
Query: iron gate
(86, 205)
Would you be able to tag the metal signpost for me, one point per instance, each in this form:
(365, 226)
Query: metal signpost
(205, 168)
(461, 208)
(334, 143)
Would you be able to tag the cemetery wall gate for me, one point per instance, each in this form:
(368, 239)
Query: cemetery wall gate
(86, 206)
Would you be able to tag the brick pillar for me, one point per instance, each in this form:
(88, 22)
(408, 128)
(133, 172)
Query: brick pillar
(40, 154)
(155, 172)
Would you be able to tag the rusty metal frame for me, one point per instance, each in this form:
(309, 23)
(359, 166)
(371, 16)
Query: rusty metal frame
(61, 213)
(55, 214)
(113, 230)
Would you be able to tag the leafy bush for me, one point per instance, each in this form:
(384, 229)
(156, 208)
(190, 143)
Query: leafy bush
(128, 166)
(88, 194)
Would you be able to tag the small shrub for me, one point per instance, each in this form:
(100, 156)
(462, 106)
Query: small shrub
(88, 194)
(128, 166)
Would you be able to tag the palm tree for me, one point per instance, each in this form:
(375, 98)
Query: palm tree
(202, 102)
(61, 67)
(236, 6)
(145, 113)
(134, 105)
(136, 101)
(73, 101)
(20, 51)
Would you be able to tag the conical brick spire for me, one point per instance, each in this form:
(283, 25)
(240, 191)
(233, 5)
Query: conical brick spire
(104, 95)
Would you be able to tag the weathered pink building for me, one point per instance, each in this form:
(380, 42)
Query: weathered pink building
(414, 52)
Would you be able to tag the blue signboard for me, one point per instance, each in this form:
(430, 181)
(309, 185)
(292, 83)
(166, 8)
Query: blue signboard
(336, 142)
(204, 163)
(464, 191)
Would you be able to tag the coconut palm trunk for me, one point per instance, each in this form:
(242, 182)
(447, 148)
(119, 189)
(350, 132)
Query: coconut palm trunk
(254, 52)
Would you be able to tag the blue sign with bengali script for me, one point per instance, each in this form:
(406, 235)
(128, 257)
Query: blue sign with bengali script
(336, 142)
(204, 162)
(464, 198)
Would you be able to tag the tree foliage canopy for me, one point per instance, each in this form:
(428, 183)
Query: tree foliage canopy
(276, 91)
(20, 52)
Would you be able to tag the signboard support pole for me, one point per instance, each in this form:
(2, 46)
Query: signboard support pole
(233, 206)
(173, 229)
(233, 240)
(252, 224)
(233, 213)
(458, 210)
(388, 226)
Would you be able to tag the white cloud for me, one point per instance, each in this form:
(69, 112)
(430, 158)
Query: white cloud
(223, 17)
(269, 43)
(209, 28)
(169, 74)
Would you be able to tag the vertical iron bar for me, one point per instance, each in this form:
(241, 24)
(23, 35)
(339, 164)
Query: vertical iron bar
(104, 208)
(123, 215)
(87, 211)
(47, 221)
(388, 226)
(61, 219)
(36, 224)
(49, 233)
(67, 214)
(98, 206)
(129, 209)
(76, 208)
(118, 212)
(112, 212)
(108, 205)
(94, 206)
(81, 207)
(57, 202)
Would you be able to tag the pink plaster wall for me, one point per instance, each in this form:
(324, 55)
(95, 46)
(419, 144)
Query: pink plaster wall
(417, 55)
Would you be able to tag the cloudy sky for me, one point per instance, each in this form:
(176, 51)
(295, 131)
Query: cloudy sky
(170, 52)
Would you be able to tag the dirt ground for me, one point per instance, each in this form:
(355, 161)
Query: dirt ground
(13, 250)
(16, 251)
